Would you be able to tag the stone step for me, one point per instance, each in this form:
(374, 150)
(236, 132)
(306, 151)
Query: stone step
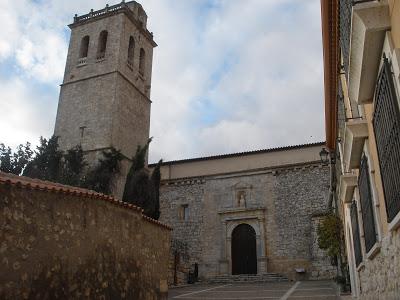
(268, 277)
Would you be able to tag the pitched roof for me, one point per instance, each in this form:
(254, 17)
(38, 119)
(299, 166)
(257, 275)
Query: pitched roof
(53, 187)
(260, 151)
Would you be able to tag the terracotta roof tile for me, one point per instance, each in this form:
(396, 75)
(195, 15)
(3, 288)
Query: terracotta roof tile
(53, 187)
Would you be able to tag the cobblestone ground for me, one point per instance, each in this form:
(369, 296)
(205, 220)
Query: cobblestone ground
(313, 290)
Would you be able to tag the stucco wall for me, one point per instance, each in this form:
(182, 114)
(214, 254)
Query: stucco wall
(280, 205)
(241, 162)
(63, 244)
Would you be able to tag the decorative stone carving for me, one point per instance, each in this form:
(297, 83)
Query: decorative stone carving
(242, 199)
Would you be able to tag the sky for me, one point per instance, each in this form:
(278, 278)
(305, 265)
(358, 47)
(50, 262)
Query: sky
(228, 75)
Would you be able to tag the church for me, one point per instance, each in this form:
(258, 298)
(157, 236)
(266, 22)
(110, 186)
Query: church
(254, 212)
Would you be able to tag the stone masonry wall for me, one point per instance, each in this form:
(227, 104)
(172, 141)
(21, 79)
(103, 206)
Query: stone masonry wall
(380, 276)
(58, 243)
(186, 234)
(289, 198)
(300, 194)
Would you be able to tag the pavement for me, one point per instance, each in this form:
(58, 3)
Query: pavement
(313, 290)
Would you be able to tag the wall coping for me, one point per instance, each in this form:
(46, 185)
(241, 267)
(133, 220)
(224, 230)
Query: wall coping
(53, 187)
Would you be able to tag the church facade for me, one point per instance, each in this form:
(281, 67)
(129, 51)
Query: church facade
(248, 213)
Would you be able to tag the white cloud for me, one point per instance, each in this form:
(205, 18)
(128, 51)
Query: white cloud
(26, 114)
(254, 65)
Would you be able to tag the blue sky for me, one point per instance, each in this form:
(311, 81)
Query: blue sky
(228, 75)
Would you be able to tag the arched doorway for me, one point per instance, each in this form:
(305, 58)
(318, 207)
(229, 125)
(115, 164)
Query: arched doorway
(244, 253)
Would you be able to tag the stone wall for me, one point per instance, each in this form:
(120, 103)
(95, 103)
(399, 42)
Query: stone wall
(380, 276)
(186, 236)
(300, 194)
(62, 242)
(279, 204)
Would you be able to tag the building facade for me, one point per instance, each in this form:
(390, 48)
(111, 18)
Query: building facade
(105, 95)
(249, 213)
(362, 63)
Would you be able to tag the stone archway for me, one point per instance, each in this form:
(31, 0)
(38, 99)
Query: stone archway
(244, 250)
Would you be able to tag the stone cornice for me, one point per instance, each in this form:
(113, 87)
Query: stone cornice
(110, 11)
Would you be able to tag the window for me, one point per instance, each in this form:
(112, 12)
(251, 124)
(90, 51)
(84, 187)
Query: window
(356, 233)
(345, 9)
(142, 61)
(102, 45)
(184, 212)
(364, 186)
(83, 51)
(386, 122)
(131, 51)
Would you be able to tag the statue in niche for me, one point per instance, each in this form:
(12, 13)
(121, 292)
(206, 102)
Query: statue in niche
(242, 199)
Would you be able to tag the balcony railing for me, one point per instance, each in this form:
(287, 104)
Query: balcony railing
(82, 61)
(100, 56)
(100, 12)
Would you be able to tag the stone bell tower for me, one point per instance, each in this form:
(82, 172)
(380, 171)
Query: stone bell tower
(105, 95)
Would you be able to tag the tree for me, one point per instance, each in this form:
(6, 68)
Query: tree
(140, 189)
(330, 235)
(15, 162)
(47, 162)
(73, 165)
(156, 180)
(100, 177)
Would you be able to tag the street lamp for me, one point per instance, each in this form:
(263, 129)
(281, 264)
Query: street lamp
(324, 156)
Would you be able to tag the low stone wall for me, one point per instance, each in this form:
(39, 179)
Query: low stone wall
(380, 276)
(63, 242)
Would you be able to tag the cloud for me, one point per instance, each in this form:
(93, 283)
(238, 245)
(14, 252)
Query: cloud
(228, 75)
(26, 113)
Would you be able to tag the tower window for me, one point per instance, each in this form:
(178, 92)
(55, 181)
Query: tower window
(83, 51)
(131, 51)
(102, 46)
(184, 212)
(142, 61)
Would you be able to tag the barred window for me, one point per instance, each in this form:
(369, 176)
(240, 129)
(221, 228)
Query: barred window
(366, 202)
(356, 233)
(345, 9)
(386, 122)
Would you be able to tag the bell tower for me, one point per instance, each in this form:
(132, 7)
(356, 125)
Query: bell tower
(105, 95)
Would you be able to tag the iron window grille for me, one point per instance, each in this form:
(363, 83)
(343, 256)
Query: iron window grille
(386, 123)
(345, 10)
(366, 202)
(356, 233)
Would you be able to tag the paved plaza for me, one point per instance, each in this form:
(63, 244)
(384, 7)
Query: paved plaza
(313, 290)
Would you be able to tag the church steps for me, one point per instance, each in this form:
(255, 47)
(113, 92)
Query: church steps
(268, 277)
